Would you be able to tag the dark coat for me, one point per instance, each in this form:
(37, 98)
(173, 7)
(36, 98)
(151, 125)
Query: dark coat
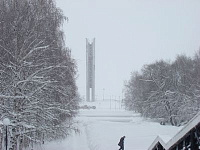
(121, 142)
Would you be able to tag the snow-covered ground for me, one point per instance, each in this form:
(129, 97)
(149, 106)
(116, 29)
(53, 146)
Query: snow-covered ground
(101, 129)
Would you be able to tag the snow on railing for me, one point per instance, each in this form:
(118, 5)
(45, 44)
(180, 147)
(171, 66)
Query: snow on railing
(192, 124)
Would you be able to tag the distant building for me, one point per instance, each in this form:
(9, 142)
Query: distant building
(188, 138)
(90, 71)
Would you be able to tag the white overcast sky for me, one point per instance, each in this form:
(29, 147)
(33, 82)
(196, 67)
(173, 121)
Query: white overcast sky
(129, 34)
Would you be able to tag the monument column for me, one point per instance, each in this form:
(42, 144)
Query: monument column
(90, 70)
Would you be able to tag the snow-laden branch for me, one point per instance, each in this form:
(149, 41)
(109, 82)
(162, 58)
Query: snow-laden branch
(36, 81)
(35, 49)
(2, 71)
(38, 89)
(7, 51)
(146, 80)
(12, 97)
(59, 109)
(42, 70)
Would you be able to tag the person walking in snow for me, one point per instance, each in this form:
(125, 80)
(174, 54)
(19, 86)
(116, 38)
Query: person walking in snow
(121, 143)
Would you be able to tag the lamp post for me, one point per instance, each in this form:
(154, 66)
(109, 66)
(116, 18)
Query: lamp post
(6, 122)
(110, 102)
(103, 93)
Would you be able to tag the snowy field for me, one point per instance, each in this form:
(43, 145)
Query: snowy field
(101, 129)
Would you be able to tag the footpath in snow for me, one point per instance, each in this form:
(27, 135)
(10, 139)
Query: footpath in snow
(101, 129)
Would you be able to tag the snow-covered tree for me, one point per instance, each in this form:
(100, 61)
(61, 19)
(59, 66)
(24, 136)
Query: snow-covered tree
(169, 91)
(37, 74)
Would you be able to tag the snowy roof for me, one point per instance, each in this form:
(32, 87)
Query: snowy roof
(189, 126)
(156, 141)
(165, 138)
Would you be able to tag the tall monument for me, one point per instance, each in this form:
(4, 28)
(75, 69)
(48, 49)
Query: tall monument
(90, 70)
